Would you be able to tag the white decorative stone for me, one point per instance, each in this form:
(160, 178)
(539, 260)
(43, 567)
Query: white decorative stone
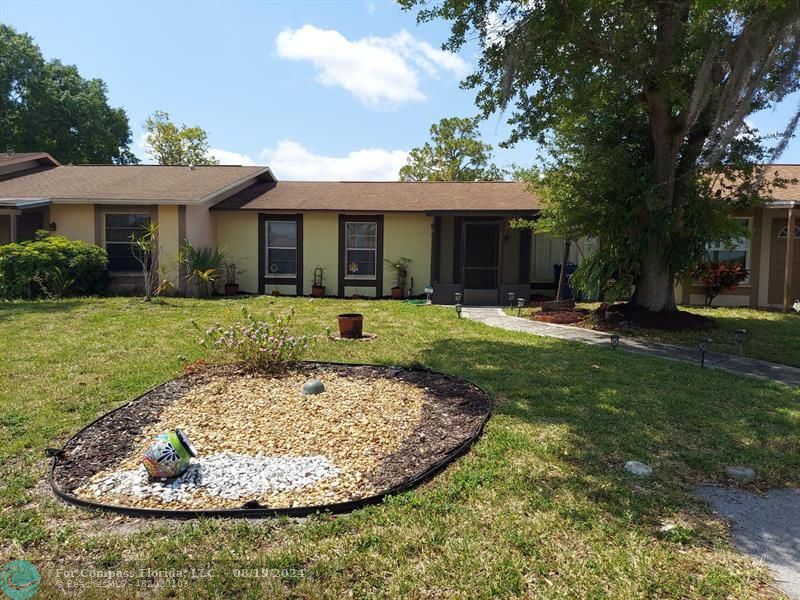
(638, 468)
(225, 475)
(742, 474)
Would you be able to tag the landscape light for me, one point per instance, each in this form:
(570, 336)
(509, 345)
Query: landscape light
(511, 296)
(458, 309)
(740, 335)
(705, 342)
(458, 297)
(520, 304)
(614, 341)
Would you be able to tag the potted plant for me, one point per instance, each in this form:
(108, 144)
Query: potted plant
(231, 273)
(400, 267)
(351, 325)
(317, 289)
(352, 269)
(273, 269)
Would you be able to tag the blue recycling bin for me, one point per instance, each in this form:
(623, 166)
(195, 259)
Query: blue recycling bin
(567, 292)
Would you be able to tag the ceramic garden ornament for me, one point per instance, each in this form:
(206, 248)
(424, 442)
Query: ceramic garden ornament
(169, 455)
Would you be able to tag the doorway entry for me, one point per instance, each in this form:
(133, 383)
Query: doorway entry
(480, 269)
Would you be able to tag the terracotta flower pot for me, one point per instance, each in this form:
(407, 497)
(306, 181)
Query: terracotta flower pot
(231, 289)
(317, 291)
(351, 325)
(169, 455)
(398, 293)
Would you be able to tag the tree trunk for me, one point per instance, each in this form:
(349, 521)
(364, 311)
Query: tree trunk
(655, 288)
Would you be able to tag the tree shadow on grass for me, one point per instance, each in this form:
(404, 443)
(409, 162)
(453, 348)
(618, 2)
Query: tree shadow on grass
(586, 410)
(16, 308)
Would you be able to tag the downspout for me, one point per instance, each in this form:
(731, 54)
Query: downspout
(787, 274)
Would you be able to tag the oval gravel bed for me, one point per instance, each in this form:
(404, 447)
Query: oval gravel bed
(264, 448)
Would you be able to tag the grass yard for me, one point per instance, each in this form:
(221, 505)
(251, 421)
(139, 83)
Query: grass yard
(771, 335)
(540, 506)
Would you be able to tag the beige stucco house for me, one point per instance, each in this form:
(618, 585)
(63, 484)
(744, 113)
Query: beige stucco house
(457, 235)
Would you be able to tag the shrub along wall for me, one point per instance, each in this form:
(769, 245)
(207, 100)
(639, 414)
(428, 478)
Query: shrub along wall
(51, 266)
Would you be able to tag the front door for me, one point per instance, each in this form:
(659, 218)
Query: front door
(481, 248)
(777, 263)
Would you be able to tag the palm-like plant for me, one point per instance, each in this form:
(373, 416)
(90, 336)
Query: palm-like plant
(145, 249)
(204, 265)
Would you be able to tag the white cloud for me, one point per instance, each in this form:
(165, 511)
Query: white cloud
(226, 157)
(142, 149)
(291, 160)
(496, 30)
(382, 72)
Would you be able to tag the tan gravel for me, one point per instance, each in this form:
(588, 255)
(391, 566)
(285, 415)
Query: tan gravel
(355, 423)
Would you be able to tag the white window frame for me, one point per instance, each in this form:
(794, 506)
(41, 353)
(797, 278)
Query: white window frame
(347, 249)
(129, 243)
(745, 246)
(268, 273)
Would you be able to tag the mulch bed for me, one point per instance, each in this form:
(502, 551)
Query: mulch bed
(380, 426)
(612, 317)
(637, 316)
(562, 317)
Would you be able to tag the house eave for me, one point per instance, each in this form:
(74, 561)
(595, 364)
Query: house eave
(782, 204)
(533, 212)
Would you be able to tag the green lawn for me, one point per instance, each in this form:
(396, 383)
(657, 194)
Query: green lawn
(539, 507)
(771, 335)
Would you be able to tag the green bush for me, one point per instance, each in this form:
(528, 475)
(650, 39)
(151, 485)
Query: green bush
(51, 266)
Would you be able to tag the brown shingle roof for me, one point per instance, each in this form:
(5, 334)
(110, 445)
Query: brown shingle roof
(392, 196)
(125, 183)
(792, 190)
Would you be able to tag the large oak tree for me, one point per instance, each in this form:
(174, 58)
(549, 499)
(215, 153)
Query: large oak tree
(640, 106)
(47, 106)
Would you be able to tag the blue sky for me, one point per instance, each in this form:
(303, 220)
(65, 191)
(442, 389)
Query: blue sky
(317, 90)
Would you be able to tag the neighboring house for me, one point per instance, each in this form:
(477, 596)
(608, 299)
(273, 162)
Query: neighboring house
(457, 234)
(773, 263)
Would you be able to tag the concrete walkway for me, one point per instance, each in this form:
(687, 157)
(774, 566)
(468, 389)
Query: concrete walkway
(765, 528)
(724, 362)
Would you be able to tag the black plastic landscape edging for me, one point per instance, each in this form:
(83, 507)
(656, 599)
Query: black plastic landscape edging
(261, 512)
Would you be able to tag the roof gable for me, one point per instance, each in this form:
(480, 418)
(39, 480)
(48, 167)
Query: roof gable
(129, 183)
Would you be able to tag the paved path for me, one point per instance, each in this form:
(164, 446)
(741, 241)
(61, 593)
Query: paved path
(764, 528)
(725, 362)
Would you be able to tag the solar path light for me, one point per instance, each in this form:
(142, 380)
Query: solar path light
(740, 335)
(704, 344)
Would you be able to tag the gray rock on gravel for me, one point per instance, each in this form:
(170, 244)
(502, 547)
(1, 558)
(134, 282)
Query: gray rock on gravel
(312, 386)
(638, 468)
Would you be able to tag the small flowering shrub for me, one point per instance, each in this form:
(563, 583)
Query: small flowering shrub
(718, 277)
(265, 345)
